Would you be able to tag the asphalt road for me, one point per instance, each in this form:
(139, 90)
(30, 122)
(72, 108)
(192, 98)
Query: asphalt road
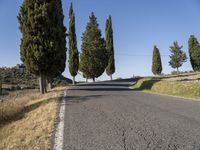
(110, 116)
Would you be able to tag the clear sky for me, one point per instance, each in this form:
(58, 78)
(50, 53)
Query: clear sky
(138, 25)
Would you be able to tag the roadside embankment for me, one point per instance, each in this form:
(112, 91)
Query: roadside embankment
(169, 87)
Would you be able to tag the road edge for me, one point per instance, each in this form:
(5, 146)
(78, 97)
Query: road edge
(59, 133)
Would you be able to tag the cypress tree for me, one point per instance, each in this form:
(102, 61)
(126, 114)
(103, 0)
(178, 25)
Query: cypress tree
(43, 43)
(73, 51)
(177, 57)
(194, 52)
(93, 57)
(59, 62)
(156, 62)
(110, 69)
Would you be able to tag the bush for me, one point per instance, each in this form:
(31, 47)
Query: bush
(175, 72)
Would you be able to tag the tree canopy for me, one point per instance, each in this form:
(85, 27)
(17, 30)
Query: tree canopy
(73, 51)
(156, 62)
(93, 57)
(177, 57)
(194, 52)
(110, 69)
(43, 43)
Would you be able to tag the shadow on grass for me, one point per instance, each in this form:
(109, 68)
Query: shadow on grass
(21, 113)
(54, 90)
(147, 85)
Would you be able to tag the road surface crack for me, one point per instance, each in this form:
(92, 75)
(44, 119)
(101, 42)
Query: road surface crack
(124, 138)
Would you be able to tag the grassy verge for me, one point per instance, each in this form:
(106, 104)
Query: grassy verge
(12, 104)
(174, 88)
(28, 122)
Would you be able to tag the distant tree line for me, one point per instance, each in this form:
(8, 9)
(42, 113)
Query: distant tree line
(43, 44)
(178, 56)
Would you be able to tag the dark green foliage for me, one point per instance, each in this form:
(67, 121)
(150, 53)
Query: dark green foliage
(156, 62)
(194, 53)
(110, 69)
(43, 44)
(59, 49)
(93, 57)
(73, 51)
(177, 57)
(18, 75)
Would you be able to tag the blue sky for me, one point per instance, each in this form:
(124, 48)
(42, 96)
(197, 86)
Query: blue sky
(138, 25)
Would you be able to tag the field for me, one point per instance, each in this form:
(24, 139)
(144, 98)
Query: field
(27, 119)
(184, 85)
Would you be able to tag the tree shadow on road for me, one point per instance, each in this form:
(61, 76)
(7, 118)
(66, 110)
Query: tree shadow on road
(120, 82)
(69, 100)
(101, 89)
(102, 84)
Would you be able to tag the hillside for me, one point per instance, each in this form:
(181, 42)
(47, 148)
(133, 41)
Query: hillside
(19, 78)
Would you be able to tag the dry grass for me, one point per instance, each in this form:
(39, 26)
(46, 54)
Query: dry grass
(33, 121)
(193, 77)
(174, 88)
(11, 105)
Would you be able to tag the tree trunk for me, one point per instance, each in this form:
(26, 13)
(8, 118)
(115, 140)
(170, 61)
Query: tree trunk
(111, 77)
(45, 84)
(93, 79)
(41, 84)
(0, 87)
(50, 83)
(86, 80)
(74, 82)
(177, 71)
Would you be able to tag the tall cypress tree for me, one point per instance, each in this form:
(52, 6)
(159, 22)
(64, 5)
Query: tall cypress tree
(59, 62)
(43, 43)
(156, 62)
(93, 57)
(110, 69)
(177, 57)
(73, 51)
(194, 52)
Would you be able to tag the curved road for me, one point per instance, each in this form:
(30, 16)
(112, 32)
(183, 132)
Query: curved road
(110, 116)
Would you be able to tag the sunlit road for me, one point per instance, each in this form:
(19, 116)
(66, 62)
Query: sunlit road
(110, 116)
